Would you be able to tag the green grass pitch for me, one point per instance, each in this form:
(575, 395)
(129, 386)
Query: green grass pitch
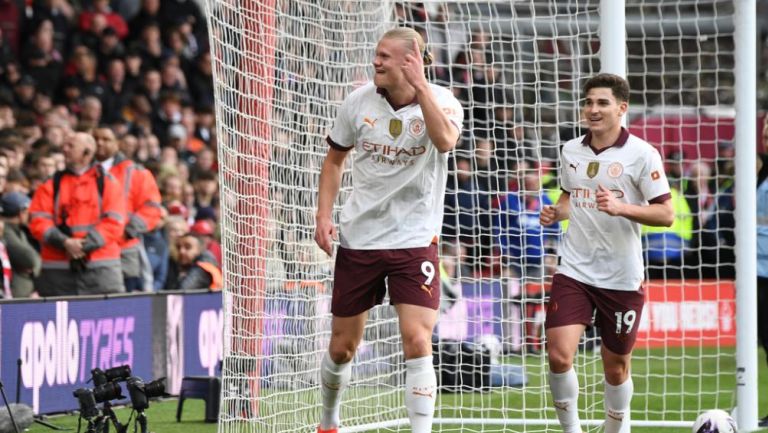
(675, 381)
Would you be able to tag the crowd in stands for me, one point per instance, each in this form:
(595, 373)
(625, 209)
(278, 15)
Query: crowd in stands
(141, 71)
(117, 97)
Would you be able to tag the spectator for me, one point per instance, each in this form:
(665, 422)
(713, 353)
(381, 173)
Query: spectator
(99, 17)
(24, 258)
(206, 124)
(90, 112)
(61, 14)
(201, 80)
(718, 232)
(151, 46)
(142, 203)
(197, 269)
(173, 79)
(78, 218)
(43, 61)
(24, 92)
(117, 92)
(151, 86)
(109, 48)
(86, 76)
(520, 235)
(148, 14)
(205, 229)
(168, 114)
(179, 12)
(10, 17)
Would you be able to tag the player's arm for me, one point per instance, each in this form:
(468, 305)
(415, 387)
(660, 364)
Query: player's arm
(560, 211)
(655, 214)
(442, 132)
(330, 182)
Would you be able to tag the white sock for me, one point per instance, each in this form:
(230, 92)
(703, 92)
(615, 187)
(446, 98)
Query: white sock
(420, 393)
(617, 399)
(334, 378)
(565, 394)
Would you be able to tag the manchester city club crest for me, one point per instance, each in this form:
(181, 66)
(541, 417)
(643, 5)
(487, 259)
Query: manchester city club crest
(395, 127)
(593, 168)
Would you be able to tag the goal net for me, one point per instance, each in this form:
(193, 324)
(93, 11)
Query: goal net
(282, 68)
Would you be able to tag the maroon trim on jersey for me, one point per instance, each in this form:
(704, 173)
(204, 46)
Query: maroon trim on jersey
(622, 140)
(383, 92)
(660, 199)
(336, 145)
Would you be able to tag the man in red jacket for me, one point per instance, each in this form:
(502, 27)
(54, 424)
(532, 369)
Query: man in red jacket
(142, 203)
(78, 217)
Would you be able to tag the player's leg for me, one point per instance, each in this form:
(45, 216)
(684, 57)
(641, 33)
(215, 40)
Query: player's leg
(562, 343)
(568, 312)
(414, 288)
(618, 390)
(358, 285)
(416, 326)
(618, 316)
(336, 366)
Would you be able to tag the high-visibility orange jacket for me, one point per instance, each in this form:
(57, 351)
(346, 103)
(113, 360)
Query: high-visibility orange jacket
(142, 199)
(79, 207)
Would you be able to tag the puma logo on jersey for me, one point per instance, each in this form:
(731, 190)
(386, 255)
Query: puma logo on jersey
(574, 167)
(369, 121)
(427, 289)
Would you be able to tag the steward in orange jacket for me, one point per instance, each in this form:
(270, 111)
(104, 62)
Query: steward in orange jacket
(139, 189)
(78, 217)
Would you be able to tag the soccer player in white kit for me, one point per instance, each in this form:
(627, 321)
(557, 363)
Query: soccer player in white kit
(612, 183)
(401, 128)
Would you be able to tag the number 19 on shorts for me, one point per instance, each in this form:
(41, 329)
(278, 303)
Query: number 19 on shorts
(626, 318)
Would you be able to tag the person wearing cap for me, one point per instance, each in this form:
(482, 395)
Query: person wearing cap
(142, 199)
(206, 230)
(24, 92)
(79, 225)
(25, 260)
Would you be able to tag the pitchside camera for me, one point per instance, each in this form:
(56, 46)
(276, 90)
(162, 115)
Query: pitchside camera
(141, 392)
(88, 398)
(101, 377)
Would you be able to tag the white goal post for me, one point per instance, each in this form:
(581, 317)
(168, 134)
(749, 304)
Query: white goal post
(282, 68)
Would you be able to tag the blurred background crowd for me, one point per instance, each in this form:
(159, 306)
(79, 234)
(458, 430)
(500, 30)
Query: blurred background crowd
(139, 72)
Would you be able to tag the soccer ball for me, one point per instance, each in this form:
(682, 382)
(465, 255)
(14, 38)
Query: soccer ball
(715, 421)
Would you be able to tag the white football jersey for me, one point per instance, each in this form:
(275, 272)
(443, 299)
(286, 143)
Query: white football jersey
(599, 249)
(398, 175)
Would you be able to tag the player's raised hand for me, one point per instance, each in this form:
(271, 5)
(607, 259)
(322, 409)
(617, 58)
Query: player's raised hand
(548, 215)
(607, 201)
(325, 234)
(413, 67)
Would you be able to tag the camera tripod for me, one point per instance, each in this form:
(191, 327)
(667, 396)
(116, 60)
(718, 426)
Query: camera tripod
(100, 423)
(8, 407)
(139, 422)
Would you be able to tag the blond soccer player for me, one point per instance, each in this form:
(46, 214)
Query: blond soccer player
(400, 129)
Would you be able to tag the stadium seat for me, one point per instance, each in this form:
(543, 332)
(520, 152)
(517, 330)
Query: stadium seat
(205, 387)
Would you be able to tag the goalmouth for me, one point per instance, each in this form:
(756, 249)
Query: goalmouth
(282, 68)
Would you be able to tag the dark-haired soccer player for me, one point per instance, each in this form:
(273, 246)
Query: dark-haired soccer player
(612, 183)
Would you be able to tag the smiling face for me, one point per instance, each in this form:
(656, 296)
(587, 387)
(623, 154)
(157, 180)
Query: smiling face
(390, 54)
(602, 111)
